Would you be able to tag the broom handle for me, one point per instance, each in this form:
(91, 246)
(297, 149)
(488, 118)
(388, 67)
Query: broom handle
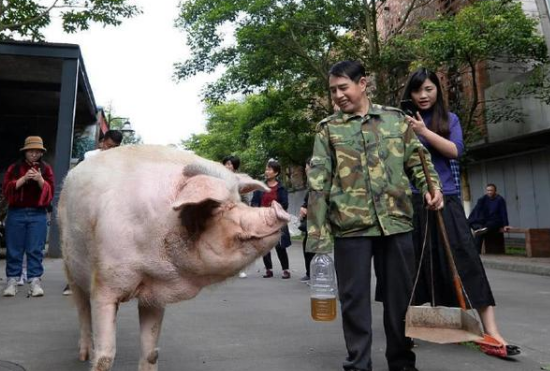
(456, 278)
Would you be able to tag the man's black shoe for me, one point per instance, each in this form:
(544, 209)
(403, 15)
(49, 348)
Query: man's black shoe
(405, 368)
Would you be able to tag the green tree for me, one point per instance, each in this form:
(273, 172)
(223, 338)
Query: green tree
(27, 18)
(286, 46)
(484, 32)
(262, 126)
(289, 45)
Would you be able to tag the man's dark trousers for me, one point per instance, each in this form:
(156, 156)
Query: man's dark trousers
(394, 268)
(493, 232)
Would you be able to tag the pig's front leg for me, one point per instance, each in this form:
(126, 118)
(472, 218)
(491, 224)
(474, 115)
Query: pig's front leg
(150, 321)
(104, 328)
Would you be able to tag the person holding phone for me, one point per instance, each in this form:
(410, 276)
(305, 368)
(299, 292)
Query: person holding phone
(29, 189)
(440, 132)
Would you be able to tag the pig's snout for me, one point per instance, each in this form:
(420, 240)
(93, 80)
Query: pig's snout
(279, 212)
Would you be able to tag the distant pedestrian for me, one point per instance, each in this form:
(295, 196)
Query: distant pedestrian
(440, 132)
(29, 189)
(264, 199)
(489, 216)
(111, 139)
(233, 163)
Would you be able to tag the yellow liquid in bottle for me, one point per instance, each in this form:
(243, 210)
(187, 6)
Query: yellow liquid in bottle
(323, 308)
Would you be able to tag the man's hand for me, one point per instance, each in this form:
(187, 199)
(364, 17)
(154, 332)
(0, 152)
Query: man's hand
(303, 212)
(436, 202)
(506, 228)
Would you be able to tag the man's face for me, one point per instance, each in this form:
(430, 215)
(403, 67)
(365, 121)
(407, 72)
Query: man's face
(346, 93)
(490, 191)
(108, 144)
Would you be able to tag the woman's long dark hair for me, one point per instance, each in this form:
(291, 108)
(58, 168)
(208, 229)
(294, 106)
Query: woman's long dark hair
(440, 117)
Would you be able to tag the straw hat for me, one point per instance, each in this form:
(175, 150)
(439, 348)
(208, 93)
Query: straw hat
(33, 143)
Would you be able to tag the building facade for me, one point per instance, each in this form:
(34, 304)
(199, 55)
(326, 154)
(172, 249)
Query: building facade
(515, 156)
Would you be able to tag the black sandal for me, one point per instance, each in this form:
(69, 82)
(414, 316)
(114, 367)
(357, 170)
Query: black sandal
(512, 350)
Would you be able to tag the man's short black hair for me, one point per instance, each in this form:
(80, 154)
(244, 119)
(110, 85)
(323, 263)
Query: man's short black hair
(491, 185)
(114, 135)
(235, 161)
(352, 69)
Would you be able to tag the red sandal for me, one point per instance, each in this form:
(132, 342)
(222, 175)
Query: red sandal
(491, 346)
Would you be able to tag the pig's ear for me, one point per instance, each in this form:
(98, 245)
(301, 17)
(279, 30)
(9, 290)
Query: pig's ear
(199, 189)
(247, 184)
(195, 169)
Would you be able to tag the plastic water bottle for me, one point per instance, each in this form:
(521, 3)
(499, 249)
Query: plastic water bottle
(322, 284)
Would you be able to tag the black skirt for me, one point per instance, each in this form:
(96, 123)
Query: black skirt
(467, 260)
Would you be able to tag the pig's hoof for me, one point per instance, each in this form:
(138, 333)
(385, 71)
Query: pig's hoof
(85, 353)
(153, 357)
(103, 364)
(150, 363)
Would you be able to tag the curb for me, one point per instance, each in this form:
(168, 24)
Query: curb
(540, 270)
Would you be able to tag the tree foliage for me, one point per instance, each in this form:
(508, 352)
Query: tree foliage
(27, 18)
(269, 46)
(287, 46)
(486, 31)
(284, 44)
(263, 126)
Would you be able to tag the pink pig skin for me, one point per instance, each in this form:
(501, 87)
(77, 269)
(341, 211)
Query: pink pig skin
(155, 224)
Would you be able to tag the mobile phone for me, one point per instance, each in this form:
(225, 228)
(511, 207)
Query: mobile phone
(409, 107)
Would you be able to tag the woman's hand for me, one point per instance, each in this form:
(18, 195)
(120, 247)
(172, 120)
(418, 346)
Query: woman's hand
(417, 124)
(303, 212)
(24, 179)
(36, 175)
(442, 145)
(436, 202)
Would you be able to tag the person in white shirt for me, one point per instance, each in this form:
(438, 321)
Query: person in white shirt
(111, 139)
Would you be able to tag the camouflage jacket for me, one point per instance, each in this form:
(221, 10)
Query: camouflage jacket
(359, 176)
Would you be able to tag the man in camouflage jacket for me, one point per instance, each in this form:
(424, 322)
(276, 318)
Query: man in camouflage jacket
(363, 159)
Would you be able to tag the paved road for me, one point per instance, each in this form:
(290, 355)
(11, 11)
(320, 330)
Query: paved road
(258, 324)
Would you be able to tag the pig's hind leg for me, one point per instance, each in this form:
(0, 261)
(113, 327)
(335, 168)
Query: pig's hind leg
(82, 301)
(150, 321)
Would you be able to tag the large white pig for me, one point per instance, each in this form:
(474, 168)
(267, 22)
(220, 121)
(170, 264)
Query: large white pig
(155, 224)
